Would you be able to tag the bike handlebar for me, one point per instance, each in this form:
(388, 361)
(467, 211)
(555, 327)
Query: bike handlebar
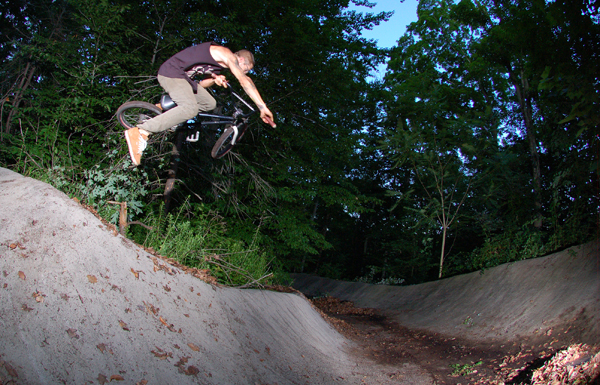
(252, 110)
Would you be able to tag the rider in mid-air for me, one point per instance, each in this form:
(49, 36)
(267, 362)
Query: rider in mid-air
(175, 77)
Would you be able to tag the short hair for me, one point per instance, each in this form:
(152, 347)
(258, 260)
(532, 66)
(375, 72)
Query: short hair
(246, 55)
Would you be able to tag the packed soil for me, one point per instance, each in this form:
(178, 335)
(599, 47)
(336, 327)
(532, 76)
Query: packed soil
(81, 304)
(555, 357)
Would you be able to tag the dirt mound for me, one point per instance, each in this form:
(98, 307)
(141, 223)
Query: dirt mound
(81, 304)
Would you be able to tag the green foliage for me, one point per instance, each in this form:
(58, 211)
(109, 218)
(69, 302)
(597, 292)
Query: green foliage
(375, 277)
(120, 185)
(198, 238)
(509, 246)
(469, 86)
(476, 93)
(464, 369)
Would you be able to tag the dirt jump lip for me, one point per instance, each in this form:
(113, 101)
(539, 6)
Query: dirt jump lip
(80, 303)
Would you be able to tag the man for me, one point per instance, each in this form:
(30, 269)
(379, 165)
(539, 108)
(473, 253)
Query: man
(176, 78)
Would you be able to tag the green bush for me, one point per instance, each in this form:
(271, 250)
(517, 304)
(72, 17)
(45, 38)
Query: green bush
(197, 238)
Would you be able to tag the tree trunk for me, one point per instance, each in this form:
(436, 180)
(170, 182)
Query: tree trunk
(443, 249)
(172, 173)
(525, 102)
(24, 84)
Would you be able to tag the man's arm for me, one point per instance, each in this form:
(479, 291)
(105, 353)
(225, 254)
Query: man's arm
(215, 79)
(225, 56)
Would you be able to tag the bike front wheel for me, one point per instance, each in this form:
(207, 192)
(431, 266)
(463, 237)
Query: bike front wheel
(225, 142)
(132, 114)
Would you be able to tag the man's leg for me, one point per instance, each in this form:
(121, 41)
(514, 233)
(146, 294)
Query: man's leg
(205, 100)
(187, 105)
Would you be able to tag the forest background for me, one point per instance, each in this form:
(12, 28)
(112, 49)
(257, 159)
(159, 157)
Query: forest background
(479, 146)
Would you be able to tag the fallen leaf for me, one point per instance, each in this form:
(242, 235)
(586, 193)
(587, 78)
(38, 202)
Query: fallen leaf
(102, 379)
(164, 322)
(39, 297)
(143, 382)
(92, 279)
(72, 333)
(151, 308)
(116, 377)
(123, 325)
(137, 274)
(26, 308)
(192, 370)
(194, 347)
(11, 371)
(22, 275)
(182, 361)
(101, 347)
(161, 354)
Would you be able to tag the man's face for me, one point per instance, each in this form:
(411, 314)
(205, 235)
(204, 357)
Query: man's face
(244, 64)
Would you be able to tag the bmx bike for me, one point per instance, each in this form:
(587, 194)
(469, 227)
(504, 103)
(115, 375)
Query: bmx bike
(233, 125)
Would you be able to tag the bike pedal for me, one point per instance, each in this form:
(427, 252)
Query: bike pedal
(193, 138)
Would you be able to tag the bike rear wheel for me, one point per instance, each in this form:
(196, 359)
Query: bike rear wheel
(225, 142)
(132, 114)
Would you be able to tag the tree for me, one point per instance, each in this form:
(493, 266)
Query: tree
(445, 111)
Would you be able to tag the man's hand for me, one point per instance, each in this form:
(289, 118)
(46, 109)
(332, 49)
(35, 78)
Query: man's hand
(267, 116)
(220, 80)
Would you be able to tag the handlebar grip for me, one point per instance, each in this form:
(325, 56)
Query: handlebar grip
(271, 123)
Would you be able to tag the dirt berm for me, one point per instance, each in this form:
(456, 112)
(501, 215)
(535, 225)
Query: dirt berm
(81, 304)
(525, 298)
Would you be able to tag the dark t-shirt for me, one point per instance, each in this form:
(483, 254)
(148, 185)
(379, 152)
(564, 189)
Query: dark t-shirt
(194, 60)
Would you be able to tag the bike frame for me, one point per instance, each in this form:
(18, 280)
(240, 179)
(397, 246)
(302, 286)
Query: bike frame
(238, 117)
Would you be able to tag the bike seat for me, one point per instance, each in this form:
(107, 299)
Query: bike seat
(166, 103)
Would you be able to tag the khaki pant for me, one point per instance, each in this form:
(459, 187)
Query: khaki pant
(188, 104)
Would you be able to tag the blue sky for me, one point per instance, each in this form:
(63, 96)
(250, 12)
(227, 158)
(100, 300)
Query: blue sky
(388, 33)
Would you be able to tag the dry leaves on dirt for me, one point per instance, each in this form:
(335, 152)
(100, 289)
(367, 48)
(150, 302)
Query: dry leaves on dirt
(123, 325)
(161, 354)
(333, 305)
(575, 365)
(39, 296)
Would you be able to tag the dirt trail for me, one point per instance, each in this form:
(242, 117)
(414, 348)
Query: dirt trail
(502, 323)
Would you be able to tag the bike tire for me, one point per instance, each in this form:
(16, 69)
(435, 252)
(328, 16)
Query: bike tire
(132, 114)
(223, 144)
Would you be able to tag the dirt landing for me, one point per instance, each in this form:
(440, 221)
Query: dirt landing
(488, 328)
(452, 360)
